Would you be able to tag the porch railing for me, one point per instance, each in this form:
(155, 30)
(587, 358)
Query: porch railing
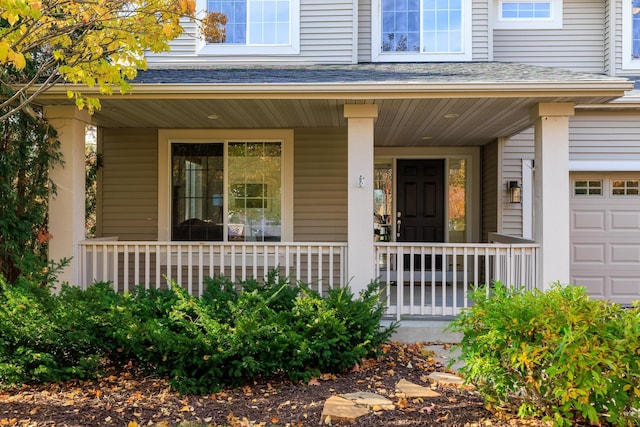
(434, 279)
(419, 279)
(126, 264)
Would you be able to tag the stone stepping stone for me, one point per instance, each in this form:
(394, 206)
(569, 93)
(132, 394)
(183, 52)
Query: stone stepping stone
(370, 400)
(412, 391)
(444, 378)
(338, 408)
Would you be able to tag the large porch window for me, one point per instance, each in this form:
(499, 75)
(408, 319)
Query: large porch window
(247, 208)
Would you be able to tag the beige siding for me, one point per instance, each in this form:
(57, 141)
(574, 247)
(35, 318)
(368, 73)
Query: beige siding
(578, 46)
(611, 137)
(364, 31)
(516, 149)
(320, 192)
(617, 33)
(326, 36)
(480, 32)
(489, 189)
(129, 196)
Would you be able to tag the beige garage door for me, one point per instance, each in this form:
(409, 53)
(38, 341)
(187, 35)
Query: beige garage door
(605, 234)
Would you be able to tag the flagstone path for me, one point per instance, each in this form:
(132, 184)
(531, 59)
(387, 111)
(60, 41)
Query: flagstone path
(348, 407)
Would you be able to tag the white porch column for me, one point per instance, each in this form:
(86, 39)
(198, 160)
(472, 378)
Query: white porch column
(552, 194)
(67, 207)
(361, 262)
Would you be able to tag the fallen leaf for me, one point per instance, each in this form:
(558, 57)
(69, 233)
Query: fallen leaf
(313, 381)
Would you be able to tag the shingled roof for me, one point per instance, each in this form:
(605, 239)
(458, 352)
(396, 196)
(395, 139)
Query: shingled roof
(468, 72)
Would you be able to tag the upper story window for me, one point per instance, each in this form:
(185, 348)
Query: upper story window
(631, 35)
(532, 14)
(421, 30)
(261, 27)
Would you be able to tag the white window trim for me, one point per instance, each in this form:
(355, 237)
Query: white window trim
(293, 48)
(378, 56)
(168, 136)
(628, 63)
(554, 22)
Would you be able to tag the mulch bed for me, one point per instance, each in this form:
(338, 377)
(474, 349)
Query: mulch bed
(125, 397)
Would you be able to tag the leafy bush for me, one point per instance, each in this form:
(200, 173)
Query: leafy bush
(228, 336)
(42, 338)
(557, 353)
(225, 337)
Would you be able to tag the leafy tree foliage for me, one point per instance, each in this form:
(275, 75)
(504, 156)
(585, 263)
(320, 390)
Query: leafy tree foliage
(97, 43)
(28, 148)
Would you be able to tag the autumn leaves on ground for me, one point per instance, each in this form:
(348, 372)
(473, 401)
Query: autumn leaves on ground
(126, 397)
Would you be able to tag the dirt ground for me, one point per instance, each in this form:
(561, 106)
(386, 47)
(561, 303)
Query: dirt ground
(126, 397)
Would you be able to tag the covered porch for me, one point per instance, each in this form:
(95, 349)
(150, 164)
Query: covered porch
(334, 127)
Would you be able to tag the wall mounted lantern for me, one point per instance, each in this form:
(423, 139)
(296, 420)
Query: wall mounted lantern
(515, 192)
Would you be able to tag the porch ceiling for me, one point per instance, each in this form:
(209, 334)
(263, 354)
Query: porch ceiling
(419, 104)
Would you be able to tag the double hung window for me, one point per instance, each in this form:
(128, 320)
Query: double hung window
(419, 30)
(255, 26)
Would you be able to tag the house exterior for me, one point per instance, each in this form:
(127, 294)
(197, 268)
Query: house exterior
(346, 140)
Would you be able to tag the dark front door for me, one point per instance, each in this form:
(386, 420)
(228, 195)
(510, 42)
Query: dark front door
(420, 214)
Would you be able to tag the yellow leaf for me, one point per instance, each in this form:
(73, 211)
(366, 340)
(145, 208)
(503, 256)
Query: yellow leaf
(4, 51)
(19, 62)
(133, 424)
(167, 30)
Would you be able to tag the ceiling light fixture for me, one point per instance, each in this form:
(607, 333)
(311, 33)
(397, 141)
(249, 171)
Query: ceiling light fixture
(214, 116)
(451, 116)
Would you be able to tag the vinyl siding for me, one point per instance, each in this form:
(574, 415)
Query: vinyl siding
(489, 189)
(129, 196)
(480, 31)
(515, 149)
(578, 46)
(326, 36)
(617, 33)
(364, 31)
(605, 137)
(320, 189)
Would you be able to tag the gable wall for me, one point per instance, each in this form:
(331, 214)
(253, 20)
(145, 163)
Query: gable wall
(578, 46)
(326, 36)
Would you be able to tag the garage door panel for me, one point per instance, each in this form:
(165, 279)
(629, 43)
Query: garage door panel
(589, 220)
(625, 254)
(625, 221)
(627, 287)
(595, 285)
(589, 253)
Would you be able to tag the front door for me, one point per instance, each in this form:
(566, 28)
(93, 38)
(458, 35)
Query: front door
(420, 207)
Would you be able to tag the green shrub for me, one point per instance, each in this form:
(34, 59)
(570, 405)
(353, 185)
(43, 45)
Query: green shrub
(225, 337)
(558, 354)
(41, 338)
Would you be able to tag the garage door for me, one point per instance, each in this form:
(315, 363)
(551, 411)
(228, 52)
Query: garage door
(605, 235)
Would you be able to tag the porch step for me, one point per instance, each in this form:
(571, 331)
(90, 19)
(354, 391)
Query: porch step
(424, 330)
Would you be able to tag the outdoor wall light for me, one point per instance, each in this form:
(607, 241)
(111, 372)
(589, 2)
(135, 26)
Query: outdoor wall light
(515, 192)
(360, 182)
